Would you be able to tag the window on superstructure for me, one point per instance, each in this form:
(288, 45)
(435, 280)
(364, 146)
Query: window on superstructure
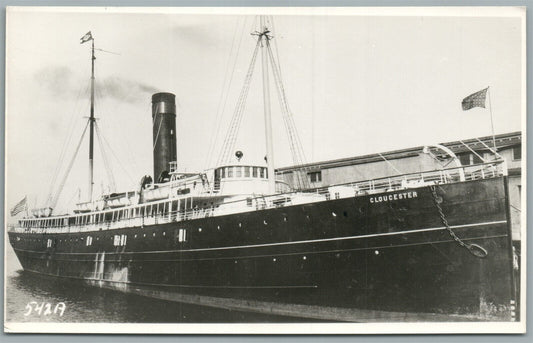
(261, 172)
(517, 153)
(89, 241)
(238, 171)
(315, 176)
(254, 172)
(230, 171)
(246, 171)
(222, 173)
(476, 159)
(465, 159)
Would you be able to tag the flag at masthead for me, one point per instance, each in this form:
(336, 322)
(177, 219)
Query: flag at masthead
(87, 37)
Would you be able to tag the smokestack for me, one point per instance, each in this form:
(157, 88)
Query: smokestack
(164, 132)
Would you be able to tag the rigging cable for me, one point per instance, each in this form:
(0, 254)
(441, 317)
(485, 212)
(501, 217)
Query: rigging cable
(121, 137)
(389, 163)
(107, 166)
(229, 141)
(66, 144)
(67, 172)
(157, 134)
(116, 157)
(290, 126)
(225, 90)
(104, 139)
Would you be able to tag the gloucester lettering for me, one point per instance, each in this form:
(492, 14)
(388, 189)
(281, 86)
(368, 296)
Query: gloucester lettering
(393, 197)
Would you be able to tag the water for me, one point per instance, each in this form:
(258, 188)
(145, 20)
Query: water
(94, 305)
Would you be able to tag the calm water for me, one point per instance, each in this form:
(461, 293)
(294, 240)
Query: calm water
(91, 304)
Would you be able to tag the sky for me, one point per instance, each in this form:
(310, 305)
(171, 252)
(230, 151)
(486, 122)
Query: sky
(357, 82)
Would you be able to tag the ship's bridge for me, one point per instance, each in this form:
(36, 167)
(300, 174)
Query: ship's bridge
(243, 179)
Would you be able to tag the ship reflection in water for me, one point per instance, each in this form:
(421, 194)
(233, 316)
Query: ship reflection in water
(95, 305)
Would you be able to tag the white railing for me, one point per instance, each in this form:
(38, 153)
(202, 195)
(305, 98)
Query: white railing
(359, 188)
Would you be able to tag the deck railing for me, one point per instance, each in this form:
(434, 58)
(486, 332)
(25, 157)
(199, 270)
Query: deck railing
(358, 188)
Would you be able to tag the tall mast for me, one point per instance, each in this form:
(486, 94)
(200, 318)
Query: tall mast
(266, 101)
(89, 37)
(91, 124)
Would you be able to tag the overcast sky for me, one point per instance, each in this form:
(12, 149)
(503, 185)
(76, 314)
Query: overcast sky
(357, 83)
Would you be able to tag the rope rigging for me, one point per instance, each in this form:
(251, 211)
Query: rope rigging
(231, 136)
(53, 202)
(298, 154)
(226, 85)
(63, 151)
(107, 166)
(296, 147)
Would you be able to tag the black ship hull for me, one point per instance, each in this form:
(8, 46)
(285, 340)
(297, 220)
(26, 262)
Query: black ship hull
(373, 255)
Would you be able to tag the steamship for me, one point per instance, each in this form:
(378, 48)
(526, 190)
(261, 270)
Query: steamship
(430, 246)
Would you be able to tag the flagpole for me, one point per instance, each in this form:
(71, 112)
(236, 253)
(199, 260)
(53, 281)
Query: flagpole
(27, 207)
(492, 121)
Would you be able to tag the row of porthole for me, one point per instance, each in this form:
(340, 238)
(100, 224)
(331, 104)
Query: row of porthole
(274, 259)
(284, 219)
(199, 229)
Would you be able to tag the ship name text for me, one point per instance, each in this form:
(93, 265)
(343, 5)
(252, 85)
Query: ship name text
(393, 197)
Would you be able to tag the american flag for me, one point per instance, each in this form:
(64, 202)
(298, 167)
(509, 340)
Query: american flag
(475, 100)
(19, 207)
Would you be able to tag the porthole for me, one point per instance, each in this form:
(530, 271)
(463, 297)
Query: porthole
(274, 259)
(153, 234)
(144, 235)
(284, 219)
(199, 229)
(304, 258)
(164, 233)
(240, 225)
(218, 227)
(135, 236)
(265, 222)
(333, 214)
